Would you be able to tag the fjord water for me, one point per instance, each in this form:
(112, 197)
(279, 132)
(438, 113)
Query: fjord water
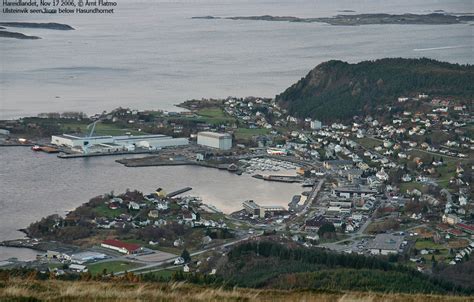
(34, 185)
(151, 54)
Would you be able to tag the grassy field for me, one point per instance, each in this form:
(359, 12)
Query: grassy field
(214, 115)
(430, 245)
(447, 171)
(74, 126)
(410, 186)
(368, 142)
(246, 133)
(54, 290)
(111, 266)
(100, 129)
(104, 210)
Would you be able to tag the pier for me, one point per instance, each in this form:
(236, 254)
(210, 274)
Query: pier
(79, 155)
(280, 178)
(173, 194)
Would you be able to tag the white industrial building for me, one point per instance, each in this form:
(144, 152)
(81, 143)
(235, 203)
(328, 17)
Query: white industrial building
(110, 143)
(84, 257)
(316, 125)
(221, 141)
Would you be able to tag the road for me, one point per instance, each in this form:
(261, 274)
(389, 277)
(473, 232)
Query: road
(312, 196)
(171, 260)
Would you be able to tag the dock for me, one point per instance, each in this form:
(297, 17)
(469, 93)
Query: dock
(79, 155)
(279, 178)
(181, 191)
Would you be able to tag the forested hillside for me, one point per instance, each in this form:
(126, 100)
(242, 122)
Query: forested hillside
(337, 90)
(272, 265)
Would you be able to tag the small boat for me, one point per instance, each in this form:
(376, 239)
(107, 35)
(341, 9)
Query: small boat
(46, 149)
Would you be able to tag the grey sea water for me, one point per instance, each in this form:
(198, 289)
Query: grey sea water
(151, 54)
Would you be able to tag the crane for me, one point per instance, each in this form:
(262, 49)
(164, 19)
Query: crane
(85, 146)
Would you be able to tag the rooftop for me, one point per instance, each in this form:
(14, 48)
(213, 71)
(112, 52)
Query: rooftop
(215, 134)
(118, 137)
(251, 204)
(117, 243)
(387, 242)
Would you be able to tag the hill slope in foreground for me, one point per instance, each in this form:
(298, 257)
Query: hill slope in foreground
(337, 90)
(54, 290)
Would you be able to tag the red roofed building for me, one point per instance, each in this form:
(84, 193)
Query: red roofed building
(455, 232)
(468, 228)
(443, 227)
(122, 247)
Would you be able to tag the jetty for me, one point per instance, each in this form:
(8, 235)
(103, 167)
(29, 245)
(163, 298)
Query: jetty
(180, 191)
(280, 178)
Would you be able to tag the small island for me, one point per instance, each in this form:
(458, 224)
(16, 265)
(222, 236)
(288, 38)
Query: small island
(15, 35)
(51, 25)
(363, 19)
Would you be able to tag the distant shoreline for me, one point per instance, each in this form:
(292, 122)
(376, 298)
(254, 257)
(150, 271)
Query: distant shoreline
(16, 35)
(362, 19)
(51, 25)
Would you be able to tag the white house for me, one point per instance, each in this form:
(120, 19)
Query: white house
(78, 268)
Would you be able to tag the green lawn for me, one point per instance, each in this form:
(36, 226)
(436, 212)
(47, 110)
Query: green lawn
(111, 266)
(246, 133)
(368, 142)
(69, 125)
(100, 129)
(104, 211)
(213, 216)
(410, 186)
(447, 171)
(428, 244)
(214, 115)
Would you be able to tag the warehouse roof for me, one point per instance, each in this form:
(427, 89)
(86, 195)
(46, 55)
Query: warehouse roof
(215, 134)
(128, 246)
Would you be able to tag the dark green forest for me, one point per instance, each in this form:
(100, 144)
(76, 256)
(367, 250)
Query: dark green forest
(272, 265)
(337, 90)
